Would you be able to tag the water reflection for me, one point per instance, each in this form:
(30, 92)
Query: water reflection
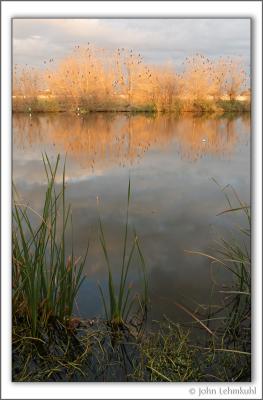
(100, 141)
(174, 202)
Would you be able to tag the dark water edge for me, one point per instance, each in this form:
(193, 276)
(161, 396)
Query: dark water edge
(92, 352)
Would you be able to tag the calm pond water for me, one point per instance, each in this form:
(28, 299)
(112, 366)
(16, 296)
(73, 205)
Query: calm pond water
(171, 162)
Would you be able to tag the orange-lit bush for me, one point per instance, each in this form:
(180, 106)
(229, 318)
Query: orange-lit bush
(97, 79)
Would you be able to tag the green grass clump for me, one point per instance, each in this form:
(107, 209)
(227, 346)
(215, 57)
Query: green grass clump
(45, 280)
(234, 254)
(121, 298)
(231, 343)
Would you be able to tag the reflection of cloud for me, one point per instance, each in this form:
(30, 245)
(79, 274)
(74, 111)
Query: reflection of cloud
(157, 39)
(184, 206)
(173, 201)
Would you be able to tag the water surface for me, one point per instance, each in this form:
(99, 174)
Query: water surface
(171, 162)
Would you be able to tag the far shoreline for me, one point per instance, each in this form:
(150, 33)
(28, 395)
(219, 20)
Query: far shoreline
(198, 107)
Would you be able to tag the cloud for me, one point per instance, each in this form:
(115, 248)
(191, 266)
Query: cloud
(157, 39)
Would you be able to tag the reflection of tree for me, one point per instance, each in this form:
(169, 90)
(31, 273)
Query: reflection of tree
(27, 130)
(104, 140)
(199, 137)
(245, 118)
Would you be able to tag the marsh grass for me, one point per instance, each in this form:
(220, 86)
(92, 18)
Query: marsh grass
(54, 355)
(45, 279)
(50, 345)
(122, 299)
(222, 352)
(166, 355)
(92, 352)
(234, 255)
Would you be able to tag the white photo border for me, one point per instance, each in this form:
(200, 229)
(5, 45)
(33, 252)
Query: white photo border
(128, 9)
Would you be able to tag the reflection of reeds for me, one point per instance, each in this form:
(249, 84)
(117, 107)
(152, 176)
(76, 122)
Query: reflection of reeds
(45, 282)
(100, 141)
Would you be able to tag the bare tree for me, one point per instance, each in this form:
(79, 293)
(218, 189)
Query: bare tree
(236, 77)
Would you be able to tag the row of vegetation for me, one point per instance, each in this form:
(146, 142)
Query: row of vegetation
(93, 79)
(50, 344)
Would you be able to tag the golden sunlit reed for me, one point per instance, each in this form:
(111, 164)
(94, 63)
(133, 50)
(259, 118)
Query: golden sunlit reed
(93, 79)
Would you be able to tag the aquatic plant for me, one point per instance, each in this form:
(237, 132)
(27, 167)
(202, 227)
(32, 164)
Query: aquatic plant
(121, 298)
(170, 353)
(222, 352)
(232, 336)
(166, 355)
(45, 280)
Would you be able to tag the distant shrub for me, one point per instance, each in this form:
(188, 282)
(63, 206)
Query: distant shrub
(233, 106)
(203, 106)
(91, 79)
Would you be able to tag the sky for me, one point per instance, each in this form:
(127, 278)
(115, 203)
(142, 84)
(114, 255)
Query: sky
(158, 40)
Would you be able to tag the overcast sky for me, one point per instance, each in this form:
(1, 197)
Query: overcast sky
(158, 40)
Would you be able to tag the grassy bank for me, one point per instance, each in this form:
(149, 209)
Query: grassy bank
(51, 344)
(79, 106)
